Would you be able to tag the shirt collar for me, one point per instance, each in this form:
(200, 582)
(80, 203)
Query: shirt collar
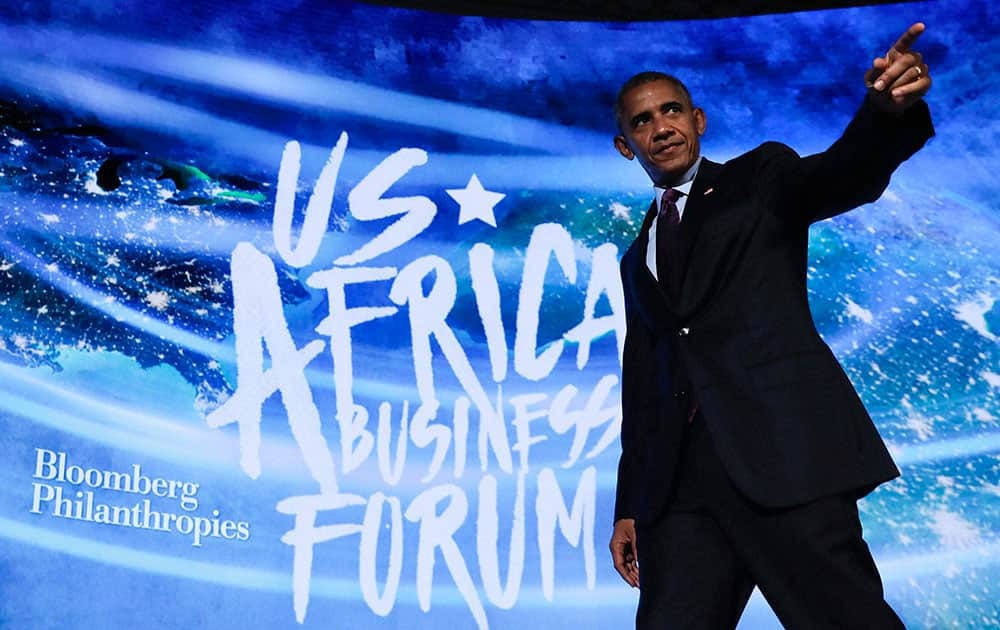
(684, 187)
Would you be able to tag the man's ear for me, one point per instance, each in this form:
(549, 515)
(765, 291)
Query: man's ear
(623, 148)
(699, 119)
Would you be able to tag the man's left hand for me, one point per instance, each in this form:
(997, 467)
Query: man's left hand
(900, 78)
(624, 551)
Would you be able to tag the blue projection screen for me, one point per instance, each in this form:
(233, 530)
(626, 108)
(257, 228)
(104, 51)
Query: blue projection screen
(311, 314)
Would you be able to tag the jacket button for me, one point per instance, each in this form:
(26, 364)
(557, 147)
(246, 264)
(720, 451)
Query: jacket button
(683, 332)
(680, 394)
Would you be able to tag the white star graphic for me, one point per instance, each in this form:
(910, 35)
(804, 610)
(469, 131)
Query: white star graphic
(475, 202)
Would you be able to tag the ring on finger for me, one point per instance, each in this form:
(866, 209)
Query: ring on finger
(919, 71)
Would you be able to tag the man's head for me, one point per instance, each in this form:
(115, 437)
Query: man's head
(659, 125)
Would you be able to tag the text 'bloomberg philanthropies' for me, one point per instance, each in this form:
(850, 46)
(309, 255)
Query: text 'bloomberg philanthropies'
(66, 490)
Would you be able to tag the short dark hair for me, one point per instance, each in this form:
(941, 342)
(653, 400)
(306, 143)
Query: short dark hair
(642, 79)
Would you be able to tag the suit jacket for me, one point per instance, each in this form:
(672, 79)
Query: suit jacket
(729, 326)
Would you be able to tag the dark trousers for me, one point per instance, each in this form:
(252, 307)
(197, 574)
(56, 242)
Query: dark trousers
(700, 561)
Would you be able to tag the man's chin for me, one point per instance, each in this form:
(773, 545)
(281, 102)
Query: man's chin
(667, 178)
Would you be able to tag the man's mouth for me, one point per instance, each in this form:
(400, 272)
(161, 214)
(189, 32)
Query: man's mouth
(666, 148)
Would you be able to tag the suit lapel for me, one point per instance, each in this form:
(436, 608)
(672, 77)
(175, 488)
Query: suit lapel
(651, 300)
(657, 309)
(644, 278)
(696, 210)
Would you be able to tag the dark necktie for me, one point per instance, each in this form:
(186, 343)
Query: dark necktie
(668, 219)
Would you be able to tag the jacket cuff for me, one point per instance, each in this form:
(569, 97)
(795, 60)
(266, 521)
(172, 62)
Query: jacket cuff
(625, 499)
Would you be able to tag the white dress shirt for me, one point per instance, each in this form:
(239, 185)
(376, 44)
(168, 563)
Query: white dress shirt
(684, 188)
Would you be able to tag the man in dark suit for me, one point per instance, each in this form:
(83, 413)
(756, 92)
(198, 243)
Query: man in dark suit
(744, 445)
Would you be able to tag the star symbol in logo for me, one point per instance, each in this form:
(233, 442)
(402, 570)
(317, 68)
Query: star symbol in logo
(475, 202)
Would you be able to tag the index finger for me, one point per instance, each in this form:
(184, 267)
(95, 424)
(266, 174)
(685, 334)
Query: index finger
(907, 39)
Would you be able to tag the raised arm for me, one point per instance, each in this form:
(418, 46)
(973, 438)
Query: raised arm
(891, 125)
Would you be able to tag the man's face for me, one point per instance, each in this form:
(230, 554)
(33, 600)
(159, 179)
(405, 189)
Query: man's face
(660, 128)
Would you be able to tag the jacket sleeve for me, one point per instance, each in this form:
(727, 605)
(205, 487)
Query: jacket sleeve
(855, 170)
(638, 395)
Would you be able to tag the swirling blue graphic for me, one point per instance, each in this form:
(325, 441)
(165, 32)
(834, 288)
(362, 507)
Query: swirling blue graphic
(310, 314)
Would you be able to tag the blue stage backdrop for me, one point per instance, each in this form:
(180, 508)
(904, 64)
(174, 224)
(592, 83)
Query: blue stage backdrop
(310, 314)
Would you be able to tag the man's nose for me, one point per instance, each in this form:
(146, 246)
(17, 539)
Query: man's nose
(663, 129)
